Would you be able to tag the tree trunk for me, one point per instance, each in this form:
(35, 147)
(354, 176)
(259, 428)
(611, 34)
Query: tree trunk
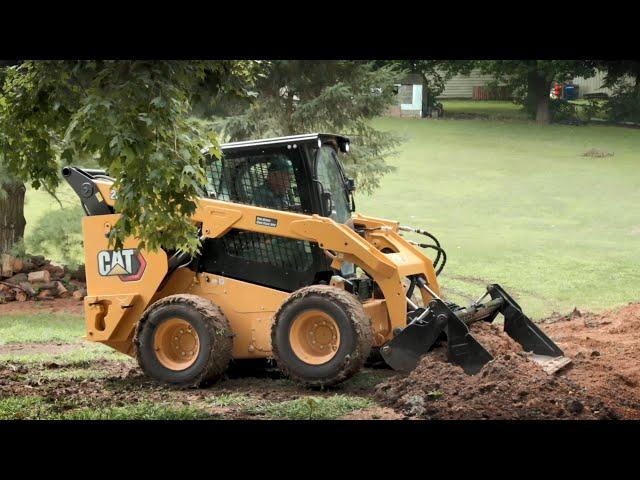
(543, 114)
(538, 92)
(12, 220)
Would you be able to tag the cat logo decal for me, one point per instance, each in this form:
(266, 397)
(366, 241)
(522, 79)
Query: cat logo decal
(128, 264)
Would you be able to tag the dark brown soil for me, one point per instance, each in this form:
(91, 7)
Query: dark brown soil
(37, 348)
(605, 349)
(603, 380)
(509, 387)
(58, 305)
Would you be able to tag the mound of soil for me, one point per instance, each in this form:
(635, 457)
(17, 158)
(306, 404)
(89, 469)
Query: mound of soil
(509, 387)
(604, 348)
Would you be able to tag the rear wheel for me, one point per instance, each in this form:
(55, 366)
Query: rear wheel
(183, 340)
(321, 336)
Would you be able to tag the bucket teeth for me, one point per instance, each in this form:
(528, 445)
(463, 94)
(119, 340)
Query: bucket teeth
(404, 351)
(520, 327)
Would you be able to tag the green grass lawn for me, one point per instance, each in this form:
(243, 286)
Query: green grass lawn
(41, 328)
(488, 108)
(512, 202)
(516, 203)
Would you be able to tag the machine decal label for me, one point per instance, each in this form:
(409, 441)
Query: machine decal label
(267, 222)
(128, 264)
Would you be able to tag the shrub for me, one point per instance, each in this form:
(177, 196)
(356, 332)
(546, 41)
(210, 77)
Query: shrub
(624, 105)
(563, 111)
(59, 233)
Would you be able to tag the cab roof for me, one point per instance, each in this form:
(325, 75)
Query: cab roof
(341, 141)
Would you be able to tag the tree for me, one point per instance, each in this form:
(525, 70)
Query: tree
(531, 80)
(133, 118)
(12, 221)
(12, 190)
(339, 96)
(623, 78)
(619, 72)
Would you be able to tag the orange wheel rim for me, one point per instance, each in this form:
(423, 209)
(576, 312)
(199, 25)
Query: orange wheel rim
(176, 344)
(314, 337)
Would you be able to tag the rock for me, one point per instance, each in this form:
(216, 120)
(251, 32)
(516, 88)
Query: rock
(77, 284)
(45, 294)
(78, 274)
(61, 289)
(55, 271)
(7, 296)
(17, 279)
(28, 288)
(415, 404)
(27, 265)
(21, 296)
(79, 294)
(38, 261)
(576, 407)
(18, 265)
(42, 276)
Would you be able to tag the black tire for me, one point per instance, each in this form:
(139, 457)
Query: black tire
(356, 336)
(213, 332)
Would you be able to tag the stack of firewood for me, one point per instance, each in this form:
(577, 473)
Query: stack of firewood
(36, 278)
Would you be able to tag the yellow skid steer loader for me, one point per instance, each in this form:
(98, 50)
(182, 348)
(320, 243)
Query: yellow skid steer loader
(287, 271)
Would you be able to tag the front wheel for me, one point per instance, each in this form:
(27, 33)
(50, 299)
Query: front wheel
(321, 336)
(184, 340)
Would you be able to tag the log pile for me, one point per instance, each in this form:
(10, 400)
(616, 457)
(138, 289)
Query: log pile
(36, 278)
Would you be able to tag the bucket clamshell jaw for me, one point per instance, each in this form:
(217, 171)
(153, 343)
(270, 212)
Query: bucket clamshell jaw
(441, 321)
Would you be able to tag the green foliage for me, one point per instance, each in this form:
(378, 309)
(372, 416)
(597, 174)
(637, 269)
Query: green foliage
(19, 249)
(563, 111)
(4, 179)
(337, 96)
(134, 118)
(619, 72)
(59, 233)
(593, 108)
(312, 408)
(624, 104)
(435, 394)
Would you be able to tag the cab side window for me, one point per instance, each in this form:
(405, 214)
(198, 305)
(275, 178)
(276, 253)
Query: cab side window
(265, 180)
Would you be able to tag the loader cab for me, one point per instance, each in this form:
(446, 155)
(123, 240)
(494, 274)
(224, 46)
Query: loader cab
(300, 174)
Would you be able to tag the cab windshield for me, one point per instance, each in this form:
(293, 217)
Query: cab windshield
(329, 174)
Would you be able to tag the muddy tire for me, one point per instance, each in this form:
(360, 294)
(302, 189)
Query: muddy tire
(321, 336)
(183, 340)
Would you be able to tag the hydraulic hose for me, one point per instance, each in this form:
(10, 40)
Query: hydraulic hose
(437, 247)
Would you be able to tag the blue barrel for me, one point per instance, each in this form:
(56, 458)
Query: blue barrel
(570, 92)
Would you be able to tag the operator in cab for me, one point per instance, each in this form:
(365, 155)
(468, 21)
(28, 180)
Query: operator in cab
(276, 191)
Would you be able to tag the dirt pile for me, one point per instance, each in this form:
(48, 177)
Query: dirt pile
(605, 350)
(509, 387)
(34, 277)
